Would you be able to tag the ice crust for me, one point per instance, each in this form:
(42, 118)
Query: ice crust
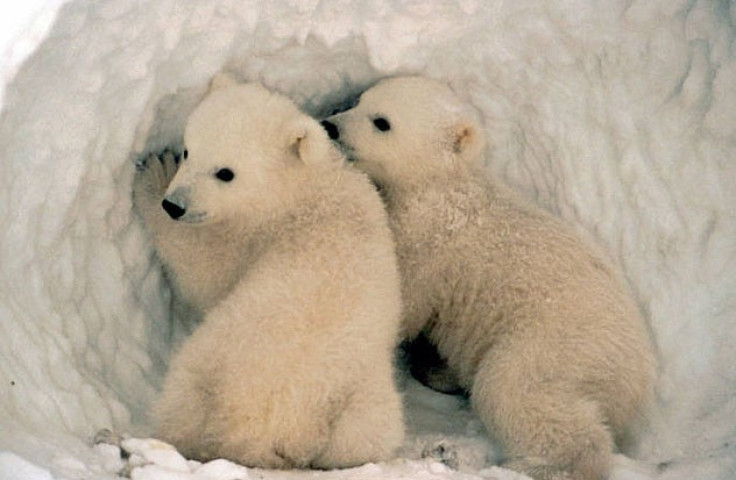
(618, 116)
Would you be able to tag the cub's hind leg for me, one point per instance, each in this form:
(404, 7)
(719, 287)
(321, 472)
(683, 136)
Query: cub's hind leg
(547, 429)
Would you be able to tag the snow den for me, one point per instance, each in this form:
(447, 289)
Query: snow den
(618, 116)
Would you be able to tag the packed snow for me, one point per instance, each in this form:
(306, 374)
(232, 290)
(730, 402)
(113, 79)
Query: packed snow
(617, 116)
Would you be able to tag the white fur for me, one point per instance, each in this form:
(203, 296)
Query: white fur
(533, 322)
(292, 264)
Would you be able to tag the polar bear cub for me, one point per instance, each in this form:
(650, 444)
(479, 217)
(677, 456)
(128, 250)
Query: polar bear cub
(534, 323)
(293, 261)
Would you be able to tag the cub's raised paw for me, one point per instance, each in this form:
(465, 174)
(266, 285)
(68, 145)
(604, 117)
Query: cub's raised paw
(155, 171)
(167, 159)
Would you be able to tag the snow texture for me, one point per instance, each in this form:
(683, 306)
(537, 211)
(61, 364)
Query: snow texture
(618, 116)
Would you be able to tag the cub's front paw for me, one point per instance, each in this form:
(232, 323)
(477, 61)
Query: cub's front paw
(154, 173)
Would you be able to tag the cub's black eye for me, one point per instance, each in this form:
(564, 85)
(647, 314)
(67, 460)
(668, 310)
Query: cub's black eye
(381, 124)
(185, 155)
(224, 174)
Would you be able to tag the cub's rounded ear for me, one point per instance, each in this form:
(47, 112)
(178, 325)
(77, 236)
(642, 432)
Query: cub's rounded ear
(222, 80)
(310, 143)
(467, 140)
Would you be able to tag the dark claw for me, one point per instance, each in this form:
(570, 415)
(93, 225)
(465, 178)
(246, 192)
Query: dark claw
(142, 162)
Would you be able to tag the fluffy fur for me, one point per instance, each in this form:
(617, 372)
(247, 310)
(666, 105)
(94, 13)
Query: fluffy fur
(290, 258)
(532, 321)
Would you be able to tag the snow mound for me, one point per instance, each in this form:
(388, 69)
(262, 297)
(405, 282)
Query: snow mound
(618, 116)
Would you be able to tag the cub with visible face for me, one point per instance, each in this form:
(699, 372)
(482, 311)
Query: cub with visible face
(533, 322)
(289, 257)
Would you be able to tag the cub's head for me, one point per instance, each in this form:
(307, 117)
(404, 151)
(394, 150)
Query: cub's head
(245, 149)
(406, 129)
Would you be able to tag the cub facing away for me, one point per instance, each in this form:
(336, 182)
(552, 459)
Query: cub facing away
(532, 321)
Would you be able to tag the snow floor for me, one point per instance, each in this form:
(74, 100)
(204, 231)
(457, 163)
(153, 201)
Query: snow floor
(618, 116)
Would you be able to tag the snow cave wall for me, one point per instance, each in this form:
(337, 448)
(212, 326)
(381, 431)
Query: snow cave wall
(618, 116)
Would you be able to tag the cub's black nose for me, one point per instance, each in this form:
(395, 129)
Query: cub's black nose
(174, 210)
(331, 128)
